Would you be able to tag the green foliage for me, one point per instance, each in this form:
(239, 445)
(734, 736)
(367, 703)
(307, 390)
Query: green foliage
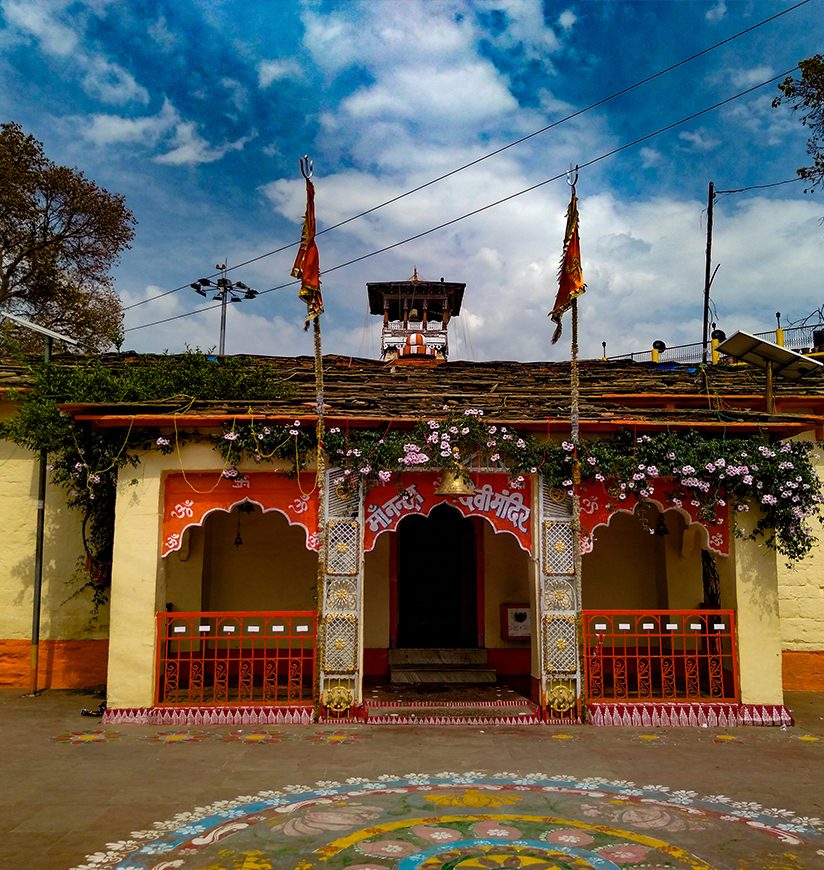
(263, 443)
(806, 95)
(714, 472)
(710, 472)
(454, 443)
(187, 377)
(86, 461)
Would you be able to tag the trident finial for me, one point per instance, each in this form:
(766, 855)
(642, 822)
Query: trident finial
(306, 167)
(572, 176)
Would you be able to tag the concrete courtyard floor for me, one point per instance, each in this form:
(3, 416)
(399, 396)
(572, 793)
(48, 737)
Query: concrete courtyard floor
(74, 790)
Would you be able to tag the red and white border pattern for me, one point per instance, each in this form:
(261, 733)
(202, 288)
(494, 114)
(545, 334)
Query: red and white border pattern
(208, 716)
(695, 715)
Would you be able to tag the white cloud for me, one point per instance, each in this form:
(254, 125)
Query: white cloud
(771, 126)
(238, 94)
(60, 36)
(746, 78)
(699, 140)
(183, 143)
(473, 92)
(270, 71)
(650, 157)
(111, 83)
(567, 19)
(38, 19)
(189, 148)
(102, 129)
(162, 35)
(525, 28)
(414, 32)
(717, 12)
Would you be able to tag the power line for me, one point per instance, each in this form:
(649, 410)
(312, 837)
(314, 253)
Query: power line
(758, 186)
(504, 199)
(503, 148)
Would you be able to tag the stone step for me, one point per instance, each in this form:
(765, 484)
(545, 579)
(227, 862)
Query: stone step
(418, 674)
(446, 657)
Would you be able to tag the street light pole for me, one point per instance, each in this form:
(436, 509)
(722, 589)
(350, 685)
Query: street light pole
(225, 291)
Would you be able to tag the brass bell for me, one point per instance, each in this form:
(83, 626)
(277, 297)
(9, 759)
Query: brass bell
(454, 484)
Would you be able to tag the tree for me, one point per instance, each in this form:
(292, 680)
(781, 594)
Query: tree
(60, 234)
(807, 96)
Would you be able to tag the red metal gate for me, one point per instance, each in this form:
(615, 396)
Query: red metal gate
(660, 655)
(236, 658)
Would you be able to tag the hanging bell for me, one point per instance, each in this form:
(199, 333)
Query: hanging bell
(455, 483)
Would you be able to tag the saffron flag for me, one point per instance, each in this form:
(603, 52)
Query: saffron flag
(570, 277)
(307, 262)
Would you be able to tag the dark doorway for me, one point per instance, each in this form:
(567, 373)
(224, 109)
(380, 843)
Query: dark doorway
(437, 581)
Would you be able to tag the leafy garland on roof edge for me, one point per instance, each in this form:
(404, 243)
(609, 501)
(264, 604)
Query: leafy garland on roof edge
(710, 472)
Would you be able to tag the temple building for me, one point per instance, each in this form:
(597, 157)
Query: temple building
(245, 586)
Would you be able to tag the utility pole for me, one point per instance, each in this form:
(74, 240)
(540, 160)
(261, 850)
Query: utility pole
(707, 272)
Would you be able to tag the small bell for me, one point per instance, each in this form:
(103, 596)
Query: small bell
(455, 484)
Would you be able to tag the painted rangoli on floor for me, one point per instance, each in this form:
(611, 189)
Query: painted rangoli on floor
(468, 821)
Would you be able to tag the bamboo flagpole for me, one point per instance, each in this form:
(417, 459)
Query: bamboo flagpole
(307, 268)
(570, 286)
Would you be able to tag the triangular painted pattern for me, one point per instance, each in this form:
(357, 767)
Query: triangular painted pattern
(688, 715)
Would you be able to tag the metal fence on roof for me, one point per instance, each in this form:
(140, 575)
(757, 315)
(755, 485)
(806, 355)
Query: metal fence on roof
(797, 338)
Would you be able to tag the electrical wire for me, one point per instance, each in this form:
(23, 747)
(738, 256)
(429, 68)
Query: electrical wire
(504, 199)
(497, 151)
(758, 186)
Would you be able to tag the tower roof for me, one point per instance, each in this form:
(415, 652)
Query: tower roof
(416, 289)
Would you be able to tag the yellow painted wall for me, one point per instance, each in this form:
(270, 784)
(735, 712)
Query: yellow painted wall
(142, 583)
(625, 570)
(757, 617)
(630, 569)
(506, 581)
(64, 614)
(138, 587)
(182, 572)
(271, 570)
(376, 594)
(801, 594)
(682, 563)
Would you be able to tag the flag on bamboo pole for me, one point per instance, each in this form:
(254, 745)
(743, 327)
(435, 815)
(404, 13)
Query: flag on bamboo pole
(307, 262)
(570, 277)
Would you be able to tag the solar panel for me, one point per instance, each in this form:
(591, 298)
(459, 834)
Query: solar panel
(759, 352)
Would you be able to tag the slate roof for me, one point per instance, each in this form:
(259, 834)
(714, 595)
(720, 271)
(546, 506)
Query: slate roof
(534, 395)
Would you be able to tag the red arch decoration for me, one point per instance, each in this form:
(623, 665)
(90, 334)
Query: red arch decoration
(187, 500)
(598, 505)
(506, 508)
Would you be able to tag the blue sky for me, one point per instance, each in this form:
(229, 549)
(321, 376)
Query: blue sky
(198, 112)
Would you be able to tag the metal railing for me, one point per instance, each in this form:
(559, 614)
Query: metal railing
(797, 338)
(660, 655)
(236, 658)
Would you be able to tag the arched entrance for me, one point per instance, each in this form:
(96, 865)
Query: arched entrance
(437, 581)
(654, 630)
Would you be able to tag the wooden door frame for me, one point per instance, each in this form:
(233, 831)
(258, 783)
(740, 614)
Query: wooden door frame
(480, 572)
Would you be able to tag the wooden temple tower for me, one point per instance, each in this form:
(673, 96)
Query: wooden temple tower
(416, 315)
